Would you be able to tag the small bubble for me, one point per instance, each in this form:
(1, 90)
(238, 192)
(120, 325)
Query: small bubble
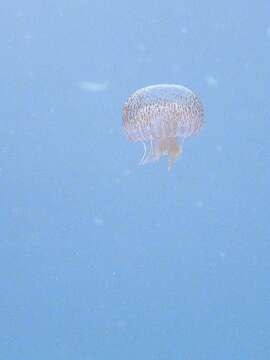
(126, 172)
(141, 47)
(17, 210)
(199, 204)
(121, 324)
(176, 68)
(219, 148)
(211, 81)
(222, 254)
(28, 37)
(98, 221)
(184, 30)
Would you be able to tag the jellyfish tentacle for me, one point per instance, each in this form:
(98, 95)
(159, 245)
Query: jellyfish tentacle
(153, 154)
(144, 154)
(151, 147)
(148, 156)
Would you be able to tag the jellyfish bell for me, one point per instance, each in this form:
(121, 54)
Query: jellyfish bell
(162, 116)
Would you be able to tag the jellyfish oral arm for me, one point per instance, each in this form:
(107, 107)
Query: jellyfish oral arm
(174, 150)
(150, 155)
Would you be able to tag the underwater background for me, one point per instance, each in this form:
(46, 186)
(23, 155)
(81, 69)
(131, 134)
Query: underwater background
(101, 258)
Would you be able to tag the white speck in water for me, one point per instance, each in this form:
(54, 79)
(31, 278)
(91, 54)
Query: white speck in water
(17, 211)
(93, 86)
(28, 37)
(126, 172)
(141, 47)
(98, 221)
(211, 81)
(184, 30)
(176, 68)
(222, 254)
(219, 148)
(246, 65)
(121, 324)
(199, 204)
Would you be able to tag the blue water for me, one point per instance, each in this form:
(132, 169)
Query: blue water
(100, 258)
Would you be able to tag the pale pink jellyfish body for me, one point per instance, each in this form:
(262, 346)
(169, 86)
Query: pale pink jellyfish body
(163, 116)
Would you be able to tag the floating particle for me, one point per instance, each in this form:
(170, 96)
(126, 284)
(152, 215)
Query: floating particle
(93, 86)
(211, 81)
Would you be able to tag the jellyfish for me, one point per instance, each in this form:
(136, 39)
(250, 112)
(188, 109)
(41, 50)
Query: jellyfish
(161, 117)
